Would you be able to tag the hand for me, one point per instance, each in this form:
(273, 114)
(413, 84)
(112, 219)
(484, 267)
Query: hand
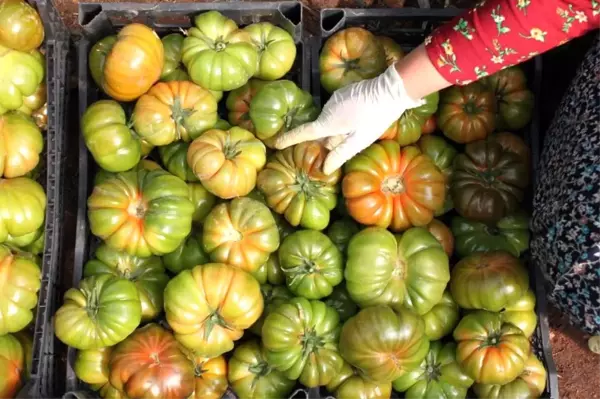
(354, 117)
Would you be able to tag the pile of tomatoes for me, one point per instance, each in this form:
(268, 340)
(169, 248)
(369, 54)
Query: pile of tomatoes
(23, 121)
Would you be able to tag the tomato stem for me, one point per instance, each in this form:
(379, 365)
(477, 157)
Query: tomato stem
(393, 184)
(261, 369)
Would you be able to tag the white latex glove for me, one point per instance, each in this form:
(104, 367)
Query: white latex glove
(354, 117)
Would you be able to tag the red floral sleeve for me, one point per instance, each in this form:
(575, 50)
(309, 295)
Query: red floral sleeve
(500, 33)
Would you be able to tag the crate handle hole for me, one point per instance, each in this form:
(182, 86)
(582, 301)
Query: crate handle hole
(88, 14)
(293, 14)
(331, 19)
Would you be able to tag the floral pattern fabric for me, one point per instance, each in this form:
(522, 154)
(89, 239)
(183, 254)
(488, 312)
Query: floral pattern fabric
(566, 219)
(501, 33)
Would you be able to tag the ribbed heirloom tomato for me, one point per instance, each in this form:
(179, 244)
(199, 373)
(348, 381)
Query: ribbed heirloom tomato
(294, 185)
(393, 51)
(408, 128)
(391, 187)
(270, 272)
(22, 209)
(227, 162)
(273, 296)
(174, 158)
(210, 376)
(22, 73)
(512, 143)
(20, 26)
(276, 50)
(442, 318)
(21, 144)
(521, 313)
(172, 68)
(349, 56)
(172, 111)
(238, 104)
(442, 233)
(12, 365)
(210, 306)
(141, 212)
(151, 364)
(91, 365)
(442, 154)
(241, 233)
(341, 231)
(408, 271)
(351, 384)
(341, 301)
(189, 254)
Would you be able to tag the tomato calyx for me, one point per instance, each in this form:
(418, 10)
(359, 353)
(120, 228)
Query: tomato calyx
(211, 321)
(471, 108)
(306, 185)
(219, 45)
(491, 230)
(179, 115)
(433, 371)
(92, 305)
(492, 340)
(137, 208)
(230, 149)
(260, 369)
(393, 185)
(310, 341)
(399, 272)
(351, 65)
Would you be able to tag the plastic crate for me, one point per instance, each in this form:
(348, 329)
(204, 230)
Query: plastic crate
(43, 381)
(101, 19)
(409, 27)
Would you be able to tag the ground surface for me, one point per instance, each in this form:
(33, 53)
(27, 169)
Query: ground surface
(578, 369)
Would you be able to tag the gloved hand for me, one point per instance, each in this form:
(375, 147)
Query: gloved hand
(354, 117)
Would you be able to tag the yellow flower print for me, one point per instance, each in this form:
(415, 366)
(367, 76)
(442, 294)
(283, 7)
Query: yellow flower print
(449, 58)
(535, 34)
(448, 48)
(440, 62)
(523, 4)
(569, 16)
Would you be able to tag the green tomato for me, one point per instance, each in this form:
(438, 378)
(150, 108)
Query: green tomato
(22, 209)
(281, 106)
(172, 45)
(218, 55)
(442, 318)
(341, 231)
(12, 365)
(91, 365)
(276, 50)
(314, 359)
(22, 144)
(340, 300)
(437, 377)
(35, 247)
(273, 296)
(270, 272)
(407, 129)
(21, 74)
(148, 274)
(174, 157)
(521, 313)
(189, 254)
(350, 384)
(510, 234)
(21, 27)
(410, 270)
(442, 154)
(102, 312)
(97, 57)
(203, 201)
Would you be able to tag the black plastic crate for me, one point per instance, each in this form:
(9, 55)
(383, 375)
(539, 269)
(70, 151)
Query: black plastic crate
(409, 27)
(43, 381)
(101, 19)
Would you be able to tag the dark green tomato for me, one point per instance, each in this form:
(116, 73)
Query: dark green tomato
(21, 27)
(340, 300)
(172, 45)
(407, 129)
(510, 234)
(301, 340)
(281, 106)
(102, 312)
(341, 231)
(174, 158)
(22, 73)
(189, 254)
(312, 264)
(148, 274)
(97, 57)
(488, 181)
(442, 318)
(203, 201)
(437, 377)
(114, 146)
(251, 377)
(222, 124)
(178, 74)
(270, 272)
(273, 296)
(442, 153)
(350, 384)
(409, 271)
(383, 344)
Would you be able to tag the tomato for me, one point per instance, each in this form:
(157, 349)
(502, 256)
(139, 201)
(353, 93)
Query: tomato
(102, 312)
(189, 254)
(148, 274)
(442, 154)
(393, 51)
(227, 162)
(34, 101)
(341, 231)
(273, 296)
(350, 55)
(22, 208)
(19, 285)
(301, 340)
(40, 117)
(488, 182)
(97, 57)
(114, 146)
(21, 27)
(36, 247)
(442, 318)
(172, 111)
(241, 233)
(210, 306)
(467, 113)
(202, 200)
(141, 212)
(284, 227)
(150, 364)
(238, 104)
(407, 129)
(132, 62)
(349, 384)
(172, 68)
(409, 271)
(22, 73)
(210, 380)
(296, 187)
(276, 50)
(107, 391)
(437, 377)
(512, 143)
(530, 384)
(429, 126)
(489, 350)
(218, 55)
(397, 342)
(91, 365)
(488, 281)
(521, 313)
(510, 234)
(442, 233)
(340, 300)
(270, 271)
(12, 364)
(22, 144)
(25, 337)
(391, 187)
(174, 157)
(280, 106)
(515, 101)
(251, 377)
(312, 264)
